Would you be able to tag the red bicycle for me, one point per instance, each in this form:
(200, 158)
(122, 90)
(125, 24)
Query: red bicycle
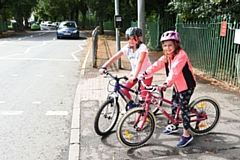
(137, 126)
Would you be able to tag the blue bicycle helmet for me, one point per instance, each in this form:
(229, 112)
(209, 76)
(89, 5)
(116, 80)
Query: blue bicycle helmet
(133, 31)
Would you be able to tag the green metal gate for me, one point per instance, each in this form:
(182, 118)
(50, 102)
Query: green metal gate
(209, 52)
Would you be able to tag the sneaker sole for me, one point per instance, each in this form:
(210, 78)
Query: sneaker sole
(175, 131)
(123, 112)
(190, 140)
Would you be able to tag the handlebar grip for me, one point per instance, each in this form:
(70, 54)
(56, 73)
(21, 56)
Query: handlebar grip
(126, 78)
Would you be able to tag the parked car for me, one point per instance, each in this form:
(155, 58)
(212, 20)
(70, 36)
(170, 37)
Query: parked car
(68, 29)
(35, 26)
(47, 23)
(55, 24)
(12, 25)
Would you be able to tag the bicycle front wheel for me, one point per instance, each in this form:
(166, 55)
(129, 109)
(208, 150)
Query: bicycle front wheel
(129, 135)
(106, 117)
(205, 111)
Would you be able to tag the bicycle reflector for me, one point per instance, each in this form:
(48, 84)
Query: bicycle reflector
(201, 105)
(127, 135)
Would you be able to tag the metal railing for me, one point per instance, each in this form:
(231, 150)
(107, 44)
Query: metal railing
(214, 55)
(210, 53)
(94, 46)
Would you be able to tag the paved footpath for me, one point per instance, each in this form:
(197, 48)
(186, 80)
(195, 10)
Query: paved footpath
(223, 143)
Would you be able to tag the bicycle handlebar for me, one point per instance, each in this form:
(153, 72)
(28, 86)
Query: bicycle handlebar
(115, 77)
(152, 87)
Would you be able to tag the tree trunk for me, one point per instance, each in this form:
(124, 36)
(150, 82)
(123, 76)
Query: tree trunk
(76, 17)
(84, 20)
(72, 15)
(26, 22)
(19, 26)
(101, 29)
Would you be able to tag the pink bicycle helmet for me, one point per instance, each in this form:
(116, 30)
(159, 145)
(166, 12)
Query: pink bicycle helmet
(170, 35)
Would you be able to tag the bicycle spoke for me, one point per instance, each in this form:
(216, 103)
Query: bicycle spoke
(106, 117)
(130, 134)
(205, 113)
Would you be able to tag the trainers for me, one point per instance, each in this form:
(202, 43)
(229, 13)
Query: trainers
(184, 141)
(171, 128)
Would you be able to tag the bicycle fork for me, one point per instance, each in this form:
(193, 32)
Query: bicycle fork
(142, 118)
(112, 107)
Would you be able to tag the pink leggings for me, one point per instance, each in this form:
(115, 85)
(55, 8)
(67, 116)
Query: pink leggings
(130, 85)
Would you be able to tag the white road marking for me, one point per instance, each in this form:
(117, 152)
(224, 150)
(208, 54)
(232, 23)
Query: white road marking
(3, 42)
(58, 113)
(38, 75)
(74, 57)
(41, 59)
(43, 44)
(62, 76)
(14, 75)
(1, 102)
(29, 48)
(11, 113)
(36, 102)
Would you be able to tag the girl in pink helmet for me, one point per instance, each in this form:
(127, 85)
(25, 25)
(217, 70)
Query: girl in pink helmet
(137, 54)
(180, 76)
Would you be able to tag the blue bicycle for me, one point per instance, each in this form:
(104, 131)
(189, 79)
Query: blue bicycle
(108, 113)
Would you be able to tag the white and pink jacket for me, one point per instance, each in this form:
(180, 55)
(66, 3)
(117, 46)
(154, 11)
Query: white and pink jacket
(179, 71)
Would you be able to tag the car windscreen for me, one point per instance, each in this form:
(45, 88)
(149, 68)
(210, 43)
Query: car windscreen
(68, 24)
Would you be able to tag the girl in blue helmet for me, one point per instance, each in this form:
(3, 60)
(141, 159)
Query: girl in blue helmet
(137, 54)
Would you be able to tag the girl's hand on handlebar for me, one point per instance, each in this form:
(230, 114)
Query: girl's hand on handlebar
(102, 70)
(163, 87)
(131, 79)
(142, 77)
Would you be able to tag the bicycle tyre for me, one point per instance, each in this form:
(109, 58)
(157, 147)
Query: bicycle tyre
(104, 123)
(125, 129)
(206, 106)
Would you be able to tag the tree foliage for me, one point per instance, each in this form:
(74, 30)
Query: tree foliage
(58, 10)
(205, 9)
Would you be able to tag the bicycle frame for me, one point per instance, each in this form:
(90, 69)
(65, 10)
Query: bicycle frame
(150, 98)
(118, 89)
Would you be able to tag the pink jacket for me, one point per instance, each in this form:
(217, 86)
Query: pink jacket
(180, 72)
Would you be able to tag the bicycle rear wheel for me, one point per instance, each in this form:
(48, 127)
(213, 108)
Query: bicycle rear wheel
(106, 117)
(200, 108)
(129, 135)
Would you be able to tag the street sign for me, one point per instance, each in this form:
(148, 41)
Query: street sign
(118, 21)
(223, 29)
(237, 36)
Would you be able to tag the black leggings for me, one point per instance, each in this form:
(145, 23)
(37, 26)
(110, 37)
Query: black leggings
(183, 98)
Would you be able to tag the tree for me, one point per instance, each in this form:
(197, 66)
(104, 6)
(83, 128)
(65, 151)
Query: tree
(19, 10)
(82, 5)
(97, 7)
(205, 9)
